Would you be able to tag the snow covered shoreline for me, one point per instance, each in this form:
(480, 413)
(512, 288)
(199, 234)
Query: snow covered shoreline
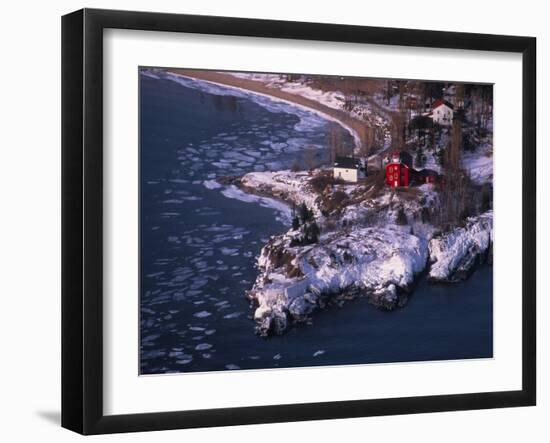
(379, 260)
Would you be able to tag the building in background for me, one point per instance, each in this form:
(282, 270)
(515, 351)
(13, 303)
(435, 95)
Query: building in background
(348, 169)
(398, 169)
(442, 112)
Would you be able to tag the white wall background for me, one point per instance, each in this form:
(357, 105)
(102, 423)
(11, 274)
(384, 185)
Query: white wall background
(30, 219)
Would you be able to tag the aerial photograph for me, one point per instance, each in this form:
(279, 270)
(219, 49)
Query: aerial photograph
(297, 220)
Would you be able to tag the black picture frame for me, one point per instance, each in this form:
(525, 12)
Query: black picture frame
(82, 218)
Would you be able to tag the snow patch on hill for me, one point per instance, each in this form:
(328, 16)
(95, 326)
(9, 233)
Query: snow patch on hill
(479, 164)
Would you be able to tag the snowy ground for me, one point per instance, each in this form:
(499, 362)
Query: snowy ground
(479, 164)
(292, 187)
(332, 99)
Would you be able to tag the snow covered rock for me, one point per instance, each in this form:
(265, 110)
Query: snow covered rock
(453, 254)
(379, 263)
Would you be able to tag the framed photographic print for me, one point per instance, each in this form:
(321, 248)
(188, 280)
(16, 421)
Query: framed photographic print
(271, 221)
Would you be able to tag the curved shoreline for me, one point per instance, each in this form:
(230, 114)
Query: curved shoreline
(351, 124)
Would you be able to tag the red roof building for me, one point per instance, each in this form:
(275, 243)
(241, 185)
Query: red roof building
(397, 174)
(440, 102)
(442, 112)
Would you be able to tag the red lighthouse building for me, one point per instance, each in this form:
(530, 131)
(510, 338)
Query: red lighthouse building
(398, 170)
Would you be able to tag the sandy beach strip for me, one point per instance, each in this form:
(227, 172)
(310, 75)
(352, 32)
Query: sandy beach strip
(354, 125)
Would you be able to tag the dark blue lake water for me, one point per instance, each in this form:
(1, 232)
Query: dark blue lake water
(199, 241)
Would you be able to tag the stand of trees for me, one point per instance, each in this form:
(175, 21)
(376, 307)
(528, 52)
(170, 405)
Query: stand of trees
(304, 219)
(471, 127)
(456, 192)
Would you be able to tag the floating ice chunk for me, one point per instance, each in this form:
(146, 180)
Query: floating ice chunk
(277, 357)
(150, 337)
(212, 184)
(173, 201)
(229, 251)
(210, 331)
(155, 274)
(232, 315)
(202, 314)
(203, 346)
(232, 366)
(196, 328)
(152, 354)
(319, 352)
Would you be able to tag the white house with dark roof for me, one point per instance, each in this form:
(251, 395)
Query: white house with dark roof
(348, 169)
(442, 112)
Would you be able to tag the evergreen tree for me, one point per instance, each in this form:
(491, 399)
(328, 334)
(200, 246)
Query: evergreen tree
(419, 159)
(311, 233)
(306, 214)
(401, 217)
